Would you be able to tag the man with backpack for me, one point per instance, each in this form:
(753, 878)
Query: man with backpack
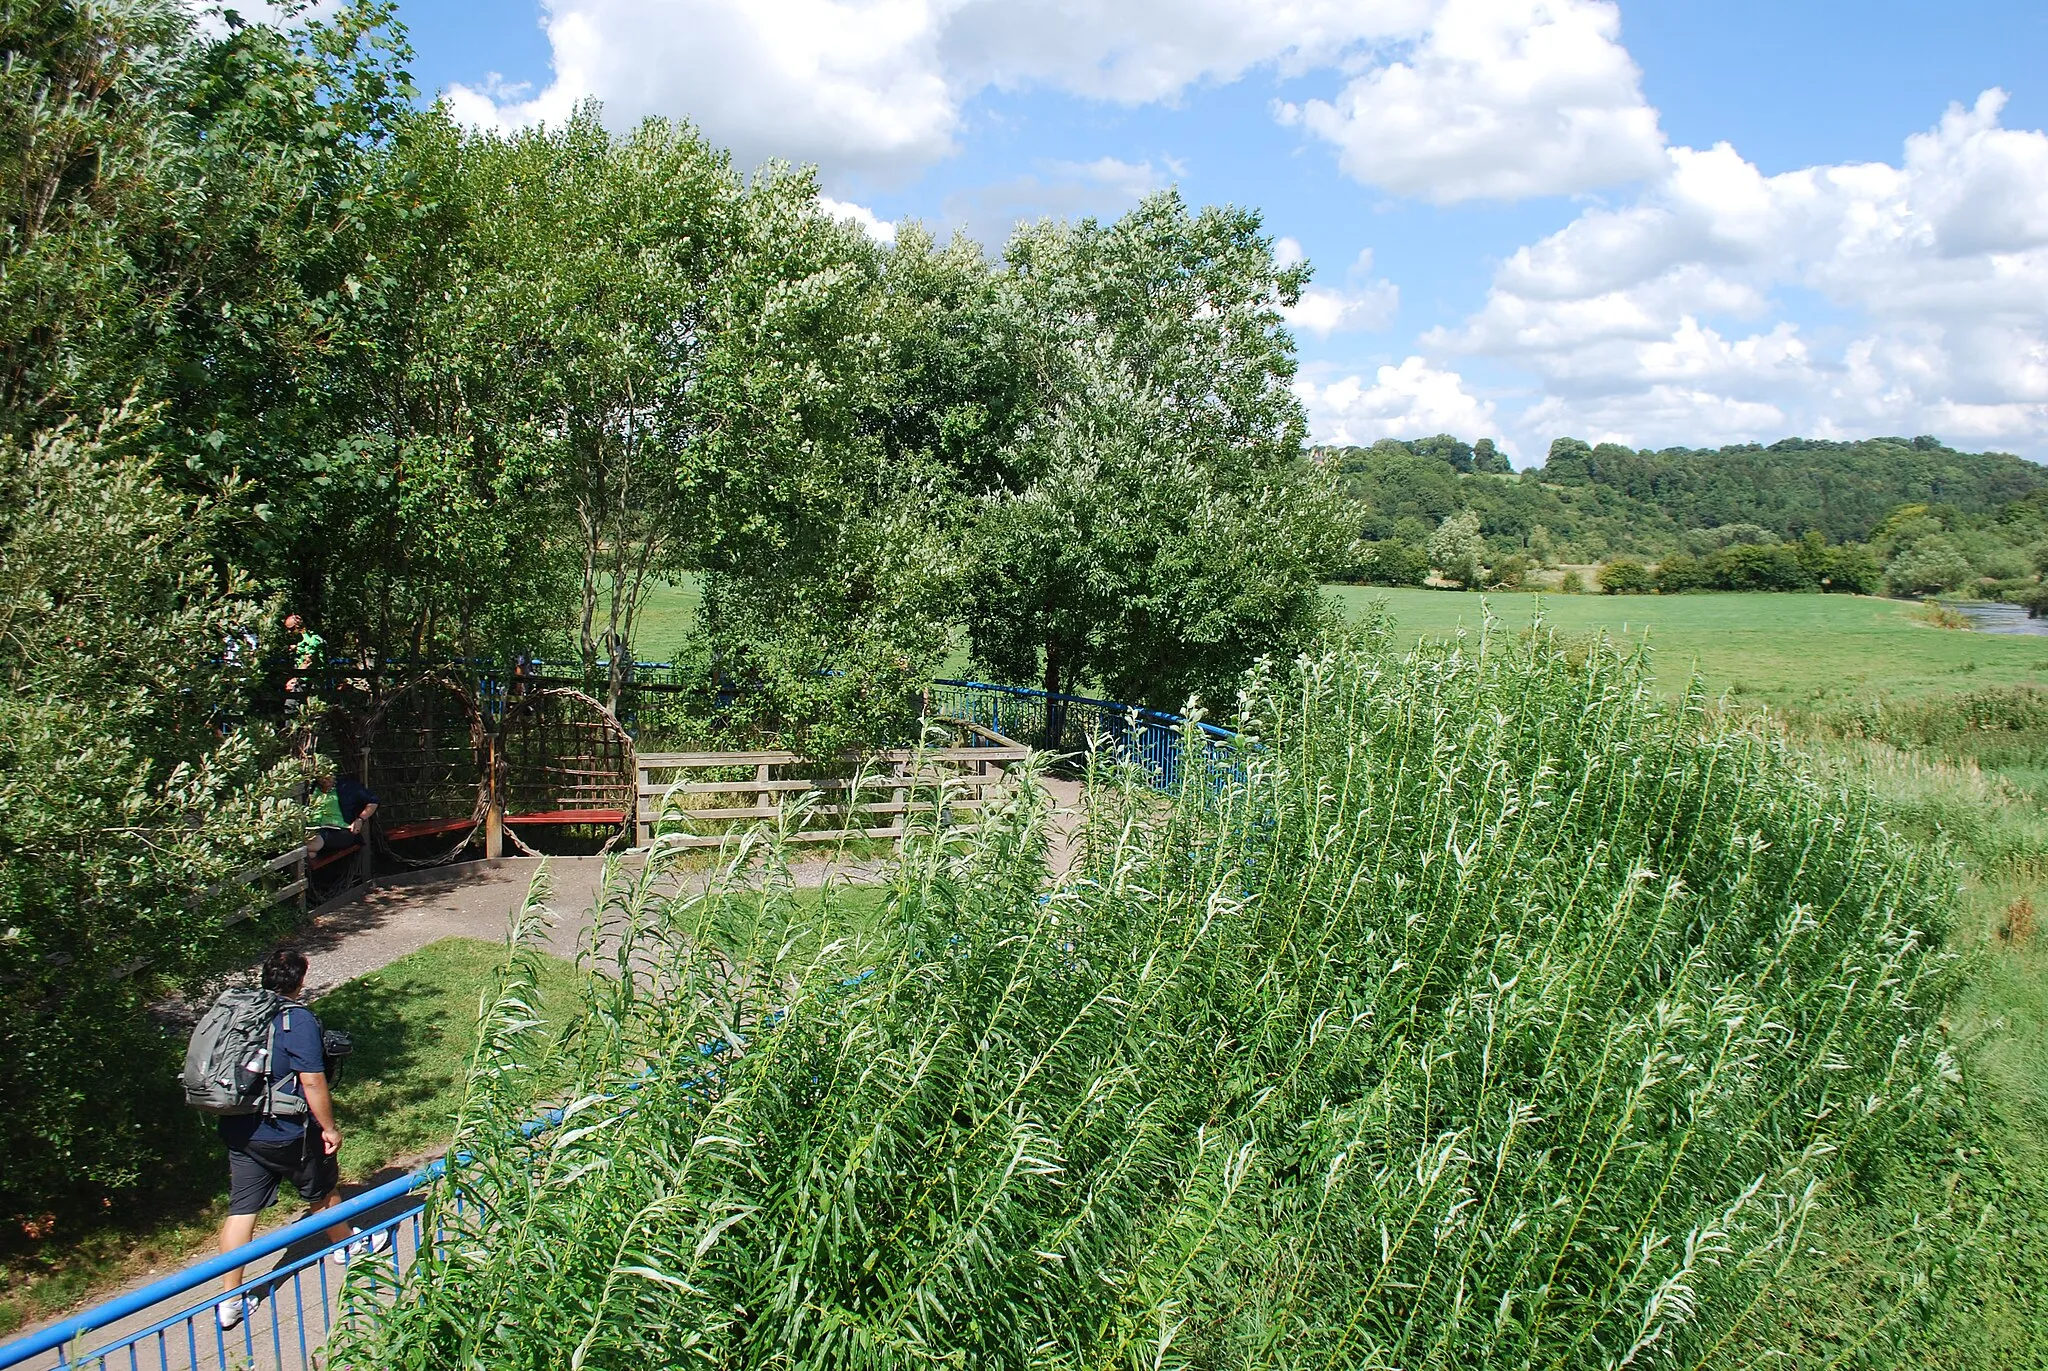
(257, 1060)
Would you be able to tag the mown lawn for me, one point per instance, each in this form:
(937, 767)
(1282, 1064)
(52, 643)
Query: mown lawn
(666, 620)
(1784, 650)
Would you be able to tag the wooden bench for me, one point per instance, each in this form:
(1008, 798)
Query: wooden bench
(426, 828)
(609, 818)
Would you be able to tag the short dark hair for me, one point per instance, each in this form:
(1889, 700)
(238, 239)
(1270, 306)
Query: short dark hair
(285, 971)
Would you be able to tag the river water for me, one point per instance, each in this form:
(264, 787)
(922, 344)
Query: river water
(1991, 616)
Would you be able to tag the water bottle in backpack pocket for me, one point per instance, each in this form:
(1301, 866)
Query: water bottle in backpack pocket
(228, 1062)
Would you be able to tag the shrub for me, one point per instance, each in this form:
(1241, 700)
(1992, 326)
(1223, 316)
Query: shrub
(1392, 562)
(1681, 571)
(1509, 572)
(1456, 550)
(1571, 583)
(1929, 567)
(122, 813)
(1749, 566)
(1496, 1012)
(1625, 576)
(1853, 570)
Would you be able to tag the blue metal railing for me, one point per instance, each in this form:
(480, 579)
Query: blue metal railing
(1158, 745)
(290, 1322)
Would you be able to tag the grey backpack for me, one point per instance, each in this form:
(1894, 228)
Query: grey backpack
(227, 1064)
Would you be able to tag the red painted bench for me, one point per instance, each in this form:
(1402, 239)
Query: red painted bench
(426, 828)
(611, 817)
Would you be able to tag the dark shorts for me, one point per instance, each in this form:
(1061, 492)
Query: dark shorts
(333, 840)
(254, 1171)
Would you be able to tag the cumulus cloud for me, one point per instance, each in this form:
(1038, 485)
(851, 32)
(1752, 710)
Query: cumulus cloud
(1658, 321)
(1412, 400)
(883, 231)
(1447, 99)
(1501, 99)
(1365, 305)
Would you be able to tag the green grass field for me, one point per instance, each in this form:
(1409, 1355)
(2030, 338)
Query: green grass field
(666, 620)
(1809, 651)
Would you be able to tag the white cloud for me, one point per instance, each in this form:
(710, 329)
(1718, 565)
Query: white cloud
(883, 231)
(1412, 400)
(1366, 305)
(840, 82)
(1502, 99)
(1495, 98)
(1287, 253)
(1659, 321)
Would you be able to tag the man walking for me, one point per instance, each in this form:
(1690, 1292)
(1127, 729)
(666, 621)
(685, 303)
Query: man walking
(294, 1137)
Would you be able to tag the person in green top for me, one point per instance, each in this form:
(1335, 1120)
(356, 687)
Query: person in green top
(341, 811)
(308, 656)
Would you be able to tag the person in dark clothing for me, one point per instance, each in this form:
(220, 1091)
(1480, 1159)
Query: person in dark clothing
(342, 810)
(301, 1146)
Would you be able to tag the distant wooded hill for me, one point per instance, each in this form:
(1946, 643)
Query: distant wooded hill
(1588, 502)
(1846, 490)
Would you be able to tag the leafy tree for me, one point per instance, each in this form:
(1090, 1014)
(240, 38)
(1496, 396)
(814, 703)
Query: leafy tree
(128, 797)
(1625, 576)
(1165, 530)
(1853, 569)
(1456, 550)
(1488, 460)
(1129, 564)
(1679, 572)
(1928, 567)
(1451, 451)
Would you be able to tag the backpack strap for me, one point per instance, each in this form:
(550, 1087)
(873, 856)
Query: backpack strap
(273, 1083)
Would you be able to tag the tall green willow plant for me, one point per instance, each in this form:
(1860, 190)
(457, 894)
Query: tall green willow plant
(1494, 1012)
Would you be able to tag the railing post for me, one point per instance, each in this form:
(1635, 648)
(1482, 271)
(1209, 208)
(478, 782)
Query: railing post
(494, 801)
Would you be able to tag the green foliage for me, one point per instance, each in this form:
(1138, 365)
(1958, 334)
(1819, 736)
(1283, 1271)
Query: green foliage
(1843, 489)
(1163, 532)
(1593, 503)
(1391, 562)
(122, 814)
(1624, 576)
(1457, 551)
(1928, 567)
(1556, 1035)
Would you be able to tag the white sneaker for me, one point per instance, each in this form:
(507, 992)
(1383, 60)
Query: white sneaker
(364, 1245)
(230, 1313)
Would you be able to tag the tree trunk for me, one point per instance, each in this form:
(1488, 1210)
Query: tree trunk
(1055, 708)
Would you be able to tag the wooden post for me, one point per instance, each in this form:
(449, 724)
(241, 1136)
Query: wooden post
(494, 811)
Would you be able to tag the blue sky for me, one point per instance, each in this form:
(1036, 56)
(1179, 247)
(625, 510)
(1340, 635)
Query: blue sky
(1670, 222)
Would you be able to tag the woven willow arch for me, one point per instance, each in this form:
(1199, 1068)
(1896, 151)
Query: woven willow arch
(424, 747)
(562, 753)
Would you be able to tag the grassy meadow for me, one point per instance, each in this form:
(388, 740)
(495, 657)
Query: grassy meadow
(1806, 651)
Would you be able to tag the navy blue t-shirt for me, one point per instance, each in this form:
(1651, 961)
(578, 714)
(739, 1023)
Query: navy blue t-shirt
(297, 1048)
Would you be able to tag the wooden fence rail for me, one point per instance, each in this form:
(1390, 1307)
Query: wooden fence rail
(904, 782)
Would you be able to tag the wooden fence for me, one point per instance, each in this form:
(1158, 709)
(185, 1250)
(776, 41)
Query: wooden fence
(704, 811)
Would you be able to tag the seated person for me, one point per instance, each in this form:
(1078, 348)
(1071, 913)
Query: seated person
(342, 809)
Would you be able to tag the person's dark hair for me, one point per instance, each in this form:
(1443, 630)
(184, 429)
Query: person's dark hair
(285, 971)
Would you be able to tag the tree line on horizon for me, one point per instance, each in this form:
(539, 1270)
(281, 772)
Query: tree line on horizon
(1903, 516)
